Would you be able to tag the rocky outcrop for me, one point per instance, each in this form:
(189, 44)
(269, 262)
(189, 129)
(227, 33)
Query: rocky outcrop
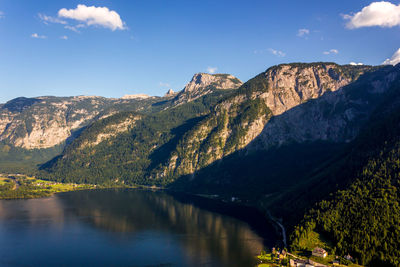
(293, 84)
(170, 93)
(336, 116)
(111, 130)
(204, 83)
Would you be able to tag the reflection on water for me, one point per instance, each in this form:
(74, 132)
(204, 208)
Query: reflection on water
(126, 228)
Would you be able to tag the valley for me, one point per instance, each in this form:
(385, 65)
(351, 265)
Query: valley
(293, 137)
(200, 133)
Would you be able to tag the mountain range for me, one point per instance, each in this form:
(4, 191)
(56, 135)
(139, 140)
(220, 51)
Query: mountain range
(315, 144)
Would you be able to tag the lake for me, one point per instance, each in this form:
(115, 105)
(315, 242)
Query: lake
(130, 228)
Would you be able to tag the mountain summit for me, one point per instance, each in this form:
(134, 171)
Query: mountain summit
(204, 83)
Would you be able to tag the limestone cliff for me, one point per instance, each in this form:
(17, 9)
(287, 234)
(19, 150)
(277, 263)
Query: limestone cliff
(44, 122)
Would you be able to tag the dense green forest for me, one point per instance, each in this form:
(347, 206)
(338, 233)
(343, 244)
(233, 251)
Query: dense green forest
(363, 219)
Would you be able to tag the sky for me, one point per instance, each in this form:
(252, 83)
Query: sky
(113, 48)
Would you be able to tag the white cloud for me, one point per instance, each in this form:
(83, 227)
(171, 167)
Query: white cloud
(46, 19)
(303, 32)
(64, 37)
(277, 52)
(356, 64)
(1, 14)
(75, 28)
(382, 14)
(332, 51)
(72, 28)
(162, 84)
(212, 70)
(394, 59)
(37, 36)
(94, 16)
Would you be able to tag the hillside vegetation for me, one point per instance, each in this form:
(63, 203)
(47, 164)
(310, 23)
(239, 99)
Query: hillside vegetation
(363, 219)
(125, 156)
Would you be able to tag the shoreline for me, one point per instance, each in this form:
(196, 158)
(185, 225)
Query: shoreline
(80, 187)
(25, 187)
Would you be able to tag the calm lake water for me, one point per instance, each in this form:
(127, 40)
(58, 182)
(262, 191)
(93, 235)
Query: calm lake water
(129, 228)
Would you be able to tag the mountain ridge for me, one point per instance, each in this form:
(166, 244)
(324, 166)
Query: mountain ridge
(68, 114)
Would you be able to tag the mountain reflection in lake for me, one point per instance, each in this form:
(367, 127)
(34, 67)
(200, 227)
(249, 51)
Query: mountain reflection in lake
(128, 228)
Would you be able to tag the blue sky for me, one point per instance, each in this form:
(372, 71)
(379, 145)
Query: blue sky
(50, 47)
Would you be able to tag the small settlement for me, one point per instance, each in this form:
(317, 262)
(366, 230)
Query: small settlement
(319, 252)
(305, 263)
(283, 258)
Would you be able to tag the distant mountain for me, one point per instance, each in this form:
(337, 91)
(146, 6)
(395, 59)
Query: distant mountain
(43, 122)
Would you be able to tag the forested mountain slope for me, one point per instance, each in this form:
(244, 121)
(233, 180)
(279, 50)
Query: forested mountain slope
(363, 218)
(125, 146)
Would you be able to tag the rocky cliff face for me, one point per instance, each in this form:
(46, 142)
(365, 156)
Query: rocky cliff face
(44, 122)
(203, 83)
(336, 116)
(170, 93)
(284, 93)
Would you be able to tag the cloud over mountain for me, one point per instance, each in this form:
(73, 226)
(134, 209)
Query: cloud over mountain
(212, 69)
(395, 59)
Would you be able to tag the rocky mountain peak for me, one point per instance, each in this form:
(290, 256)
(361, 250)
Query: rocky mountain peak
(204, 83)
(218, 81)
(169, 93)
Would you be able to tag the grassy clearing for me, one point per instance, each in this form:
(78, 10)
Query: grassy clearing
(30, 187)
(314, 239)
